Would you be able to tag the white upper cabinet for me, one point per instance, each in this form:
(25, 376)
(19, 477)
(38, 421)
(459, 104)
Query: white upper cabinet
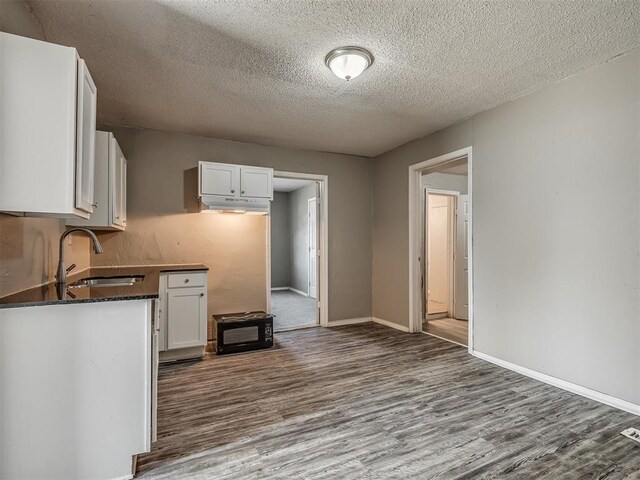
(110, 207)
(219, 179)
(118, 187)
(85, 138)
(256, 182)
(235, 181)
(47, 129)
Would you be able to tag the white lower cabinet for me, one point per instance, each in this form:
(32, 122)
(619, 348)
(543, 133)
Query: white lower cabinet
(78, 402)
(183, 315)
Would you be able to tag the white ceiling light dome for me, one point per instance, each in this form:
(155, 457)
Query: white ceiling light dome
(348, 62)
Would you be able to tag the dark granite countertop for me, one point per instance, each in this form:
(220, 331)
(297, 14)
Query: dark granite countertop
(50, 294)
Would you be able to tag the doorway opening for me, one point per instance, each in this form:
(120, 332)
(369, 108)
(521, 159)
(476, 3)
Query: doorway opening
(294, 247)
(441, 249)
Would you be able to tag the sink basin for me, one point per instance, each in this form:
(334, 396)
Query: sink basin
(115, 281)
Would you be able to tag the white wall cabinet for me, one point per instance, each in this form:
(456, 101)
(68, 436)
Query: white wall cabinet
(235, 181)
(219, 179)
(256, 182)
(110, 207)
(183, 315)
(47, 137)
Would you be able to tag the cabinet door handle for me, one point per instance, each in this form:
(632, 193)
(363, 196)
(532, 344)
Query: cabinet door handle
(242, 192)
(233, 191)
(202, 294)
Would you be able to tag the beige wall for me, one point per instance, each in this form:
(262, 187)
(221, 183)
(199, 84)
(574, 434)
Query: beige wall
(556, 229)
(161, 228)
(29, 246)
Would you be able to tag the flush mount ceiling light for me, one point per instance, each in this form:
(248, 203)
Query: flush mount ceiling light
(348, 62)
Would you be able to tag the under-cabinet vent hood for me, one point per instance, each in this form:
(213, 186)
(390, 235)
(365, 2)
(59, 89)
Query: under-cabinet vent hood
(235, 205)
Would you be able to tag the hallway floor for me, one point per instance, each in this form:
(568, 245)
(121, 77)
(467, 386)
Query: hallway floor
(448, 329)
(292, 310)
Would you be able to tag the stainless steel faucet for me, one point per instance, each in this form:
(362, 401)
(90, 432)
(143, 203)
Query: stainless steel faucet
(61, 276)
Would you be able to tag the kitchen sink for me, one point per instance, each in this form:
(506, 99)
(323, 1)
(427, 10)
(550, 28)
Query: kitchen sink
(115, 281)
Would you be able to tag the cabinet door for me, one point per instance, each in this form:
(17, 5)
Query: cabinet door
(219, 179)
(256, 182)
(85, 139)
(186, 318)
(120, 188)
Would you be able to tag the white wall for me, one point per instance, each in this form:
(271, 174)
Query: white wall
(556, 228)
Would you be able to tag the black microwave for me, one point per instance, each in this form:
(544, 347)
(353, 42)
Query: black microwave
(242, 332)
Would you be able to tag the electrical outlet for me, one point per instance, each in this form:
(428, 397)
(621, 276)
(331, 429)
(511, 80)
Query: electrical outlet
(632, 433)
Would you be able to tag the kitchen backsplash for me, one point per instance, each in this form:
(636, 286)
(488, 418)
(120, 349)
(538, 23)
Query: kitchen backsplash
(29, 251)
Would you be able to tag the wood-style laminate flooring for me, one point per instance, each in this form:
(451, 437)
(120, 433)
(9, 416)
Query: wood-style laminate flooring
(369, 402)
(449, 329)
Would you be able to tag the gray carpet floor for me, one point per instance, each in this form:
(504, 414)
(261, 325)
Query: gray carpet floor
(292, 310)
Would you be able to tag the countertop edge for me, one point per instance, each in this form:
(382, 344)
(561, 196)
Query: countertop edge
(44, 295)
(46, 303)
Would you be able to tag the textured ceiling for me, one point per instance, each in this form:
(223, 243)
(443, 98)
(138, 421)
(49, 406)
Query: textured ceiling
(254, 70)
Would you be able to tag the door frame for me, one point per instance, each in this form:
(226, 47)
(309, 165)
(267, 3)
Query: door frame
(322, 223)
(450, 245)
(416, 226)
(309, 201)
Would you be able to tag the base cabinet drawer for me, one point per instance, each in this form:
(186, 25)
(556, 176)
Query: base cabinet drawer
(180, 280)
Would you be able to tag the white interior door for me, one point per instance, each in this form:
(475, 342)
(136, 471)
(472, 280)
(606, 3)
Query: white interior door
(313, 247)
(461, 260)
(438, 253)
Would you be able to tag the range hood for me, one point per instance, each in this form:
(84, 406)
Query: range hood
(235, 205)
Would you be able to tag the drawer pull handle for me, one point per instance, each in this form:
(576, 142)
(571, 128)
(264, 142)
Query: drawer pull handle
(186, 280)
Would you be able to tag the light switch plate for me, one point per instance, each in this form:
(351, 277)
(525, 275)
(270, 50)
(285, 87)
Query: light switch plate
(632, 433)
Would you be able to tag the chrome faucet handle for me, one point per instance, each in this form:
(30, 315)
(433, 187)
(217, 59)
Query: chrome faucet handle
(71, 267)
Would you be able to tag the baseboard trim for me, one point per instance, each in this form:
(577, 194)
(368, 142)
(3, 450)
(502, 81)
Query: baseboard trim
(563, 384)
(349, 321)
(295, 290)
(277, 289)
(179, 354)
(387, 323)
